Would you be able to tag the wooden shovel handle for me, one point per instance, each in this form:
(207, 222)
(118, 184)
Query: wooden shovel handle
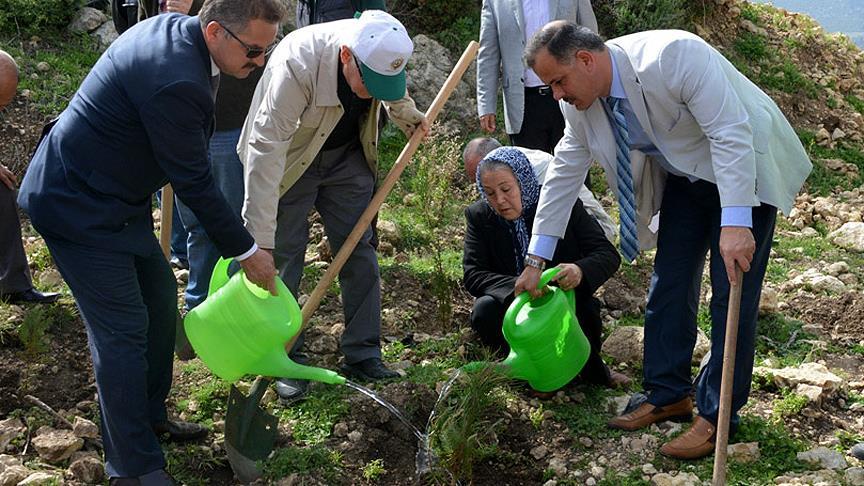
(166, 217)
(366, 218)
(727, 378)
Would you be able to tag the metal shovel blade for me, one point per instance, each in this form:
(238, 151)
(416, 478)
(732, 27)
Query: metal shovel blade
(250, 431)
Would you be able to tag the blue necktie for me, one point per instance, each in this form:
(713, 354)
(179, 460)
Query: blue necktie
(626, 202)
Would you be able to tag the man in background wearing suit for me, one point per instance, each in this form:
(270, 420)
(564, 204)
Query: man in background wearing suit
(723, 159)
(16, 285)
(532, 117)
(140, 119)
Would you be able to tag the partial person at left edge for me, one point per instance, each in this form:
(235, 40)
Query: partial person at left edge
(141, 119)
(16, 283)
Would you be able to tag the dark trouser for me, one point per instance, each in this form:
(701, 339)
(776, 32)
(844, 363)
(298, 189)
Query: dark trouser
(542, 124)
(14, 273)
(689, 227)
(487, 318)
(129, 305)
(339, 184)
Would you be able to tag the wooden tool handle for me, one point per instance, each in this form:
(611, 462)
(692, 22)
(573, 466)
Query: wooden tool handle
(727, 378)
(404, 157)
(166, 217)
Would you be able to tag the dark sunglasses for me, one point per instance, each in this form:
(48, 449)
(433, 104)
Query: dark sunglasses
(251, 52)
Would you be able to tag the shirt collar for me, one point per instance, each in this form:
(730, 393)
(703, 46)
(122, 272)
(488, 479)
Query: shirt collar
(214, 69)
(617, 89)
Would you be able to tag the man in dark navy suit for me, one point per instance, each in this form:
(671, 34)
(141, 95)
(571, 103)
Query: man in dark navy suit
(142, 118)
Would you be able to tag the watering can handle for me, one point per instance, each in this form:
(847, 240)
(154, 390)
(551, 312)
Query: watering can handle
(219, 277)
(525, 297)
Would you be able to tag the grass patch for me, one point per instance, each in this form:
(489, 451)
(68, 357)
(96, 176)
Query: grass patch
(587, 419)
(374, 470)
(191, 463)
(69, 59)
(856, 103)
(317, 461)
(823, 181)
(781, 339)
(778, 449)
(751, 46)
(789, 405)
(312, 419)
(632, 478)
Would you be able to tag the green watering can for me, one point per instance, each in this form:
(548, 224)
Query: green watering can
(547, 345)
(241, 329)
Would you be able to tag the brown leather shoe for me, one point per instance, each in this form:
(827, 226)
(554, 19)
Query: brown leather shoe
(618, 380)
(647, 414)
(697, 442)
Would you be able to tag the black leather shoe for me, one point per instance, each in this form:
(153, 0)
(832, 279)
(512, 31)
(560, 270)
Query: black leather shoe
(291, 390)
(178, 431)
(30, 296)
(371, 369)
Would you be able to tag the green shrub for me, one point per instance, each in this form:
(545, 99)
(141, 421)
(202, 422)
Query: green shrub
(751, 46)
(29, 17)
(640, 15)
(432, 16)
(33, 331)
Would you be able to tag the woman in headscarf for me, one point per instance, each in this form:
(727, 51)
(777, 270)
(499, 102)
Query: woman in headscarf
(496, 242)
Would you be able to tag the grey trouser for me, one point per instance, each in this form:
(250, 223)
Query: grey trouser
(339, 185)
(14, 272)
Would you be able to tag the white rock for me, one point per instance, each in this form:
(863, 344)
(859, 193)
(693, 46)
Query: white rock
(837, 268)
(9, 430)
(815, 374)
(649, 469)
(616, 405)
(823, 457)
(682, 479)
(825, 477)
(559, 466)
(822, 136)
(624, 345)
(812, 392)
(13, 475)
(40, 479)
(355, 436)
(849, 236)
(340, 430)
(86, 19)
(837, 134)
(85, 429)
(854, 476)
(8, 461)
(769, 301)
(388, 231)
(539, 452)
(55, 446)
(812, 279)
(105, 34)
(89, 470)
(744, 452)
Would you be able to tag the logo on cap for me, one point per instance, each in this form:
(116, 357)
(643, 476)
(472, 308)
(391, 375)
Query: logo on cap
(397, 63)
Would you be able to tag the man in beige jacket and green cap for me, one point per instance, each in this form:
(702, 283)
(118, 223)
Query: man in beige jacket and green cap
(310, 140)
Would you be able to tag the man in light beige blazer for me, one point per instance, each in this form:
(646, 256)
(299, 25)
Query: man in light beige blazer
(532, 117)
(689, 143)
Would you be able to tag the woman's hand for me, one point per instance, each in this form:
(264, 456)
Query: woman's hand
(569, 277)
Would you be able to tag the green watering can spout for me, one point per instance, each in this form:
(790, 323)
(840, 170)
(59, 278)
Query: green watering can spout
(241, 329)
(547, 345)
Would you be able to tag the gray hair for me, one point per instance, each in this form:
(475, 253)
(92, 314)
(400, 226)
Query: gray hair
(490, 165)
(561, 39)
(479, 147)
(236, 14)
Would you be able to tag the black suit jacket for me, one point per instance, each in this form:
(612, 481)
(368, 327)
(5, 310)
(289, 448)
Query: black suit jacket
(489, 262)
(141, 118)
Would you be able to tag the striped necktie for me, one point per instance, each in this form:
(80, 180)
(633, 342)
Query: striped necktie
(629, 241)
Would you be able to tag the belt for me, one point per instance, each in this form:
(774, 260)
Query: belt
(544, 90)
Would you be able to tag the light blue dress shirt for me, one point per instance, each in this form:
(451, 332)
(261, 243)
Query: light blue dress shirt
(544, 245)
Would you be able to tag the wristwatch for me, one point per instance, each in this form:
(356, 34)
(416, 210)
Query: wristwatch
(535, 262)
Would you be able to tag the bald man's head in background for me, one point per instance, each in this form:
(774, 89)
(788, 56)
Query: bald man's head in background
(474, 152)
(8, 79)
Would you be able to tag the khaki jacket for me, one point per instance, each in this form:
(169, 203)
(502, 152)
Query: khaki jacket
(293, 112)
